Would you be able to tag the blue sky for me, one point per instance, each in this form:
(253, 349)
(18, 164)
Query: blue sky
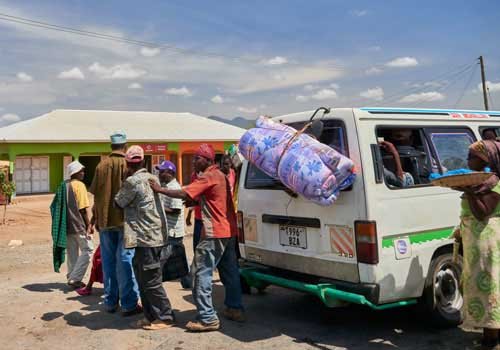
(270, 57)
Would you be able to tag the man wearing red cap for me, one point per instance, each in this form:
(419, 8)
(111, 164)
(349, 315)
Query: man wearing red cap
(217, 246)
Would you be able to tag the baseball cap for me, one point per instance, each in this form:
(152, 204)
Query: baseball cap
(118, 138)
(74, 167)
(166, 165)
(134, 154)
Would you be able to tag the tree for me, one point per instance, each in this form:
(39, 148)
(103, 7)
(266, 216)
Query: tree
(7, 189)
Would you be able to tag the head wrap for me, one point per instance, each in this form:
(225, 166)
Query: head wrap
(479, 150)
(207, 151)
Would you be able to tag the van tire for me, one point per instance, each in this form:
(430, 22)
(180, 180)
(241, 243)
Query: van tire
(442, 297)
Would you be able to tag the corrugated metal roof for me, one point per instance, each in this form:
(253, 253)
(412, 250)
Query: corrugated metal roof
(62, 125)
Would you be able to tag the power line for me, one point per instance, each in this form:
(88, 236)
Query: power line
(420, 86)
(125, 40)
(449, 83)
(466, 87)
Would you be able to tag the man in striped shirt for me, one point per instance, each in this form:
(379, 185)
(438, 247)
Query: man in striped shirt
(174, 210)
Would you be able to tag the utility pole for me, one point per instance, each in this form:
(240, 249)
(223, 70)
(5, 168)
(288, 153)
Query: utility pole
(483, 79)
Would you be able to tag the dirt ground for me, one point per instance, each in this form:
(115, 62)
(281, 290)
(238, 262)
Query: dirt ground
(40, 312)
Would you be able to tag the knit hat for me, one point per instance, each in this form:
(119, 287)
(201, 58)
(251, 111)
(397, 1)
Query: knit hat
(207, 151)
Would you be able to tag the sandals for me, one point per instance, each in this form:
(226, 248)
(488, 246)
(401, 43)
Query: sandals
(157, 325)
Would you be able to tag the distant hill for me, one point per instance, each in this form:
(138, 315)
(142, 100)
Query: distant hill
(237, 121)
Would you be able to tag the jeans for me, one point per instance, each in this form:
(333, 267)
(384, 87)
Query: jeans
(119, 280)
(198, 226)
(148, 270)
(79, 250)
(210, 254)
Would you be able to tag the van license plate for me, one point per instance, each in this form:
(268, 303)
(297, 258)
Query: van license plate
(293, 236)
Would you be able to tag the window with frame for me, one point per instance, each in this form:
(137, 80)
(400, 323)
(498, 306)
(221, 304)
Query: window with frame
(409, 155)
(333, 135)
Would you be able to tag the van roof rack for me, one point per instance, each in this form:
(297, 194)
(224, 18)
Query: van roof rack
(383, 110)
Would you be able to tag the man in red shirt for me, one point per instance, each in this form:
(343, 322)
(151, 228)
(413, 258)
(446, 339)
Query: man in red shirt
(217, 247)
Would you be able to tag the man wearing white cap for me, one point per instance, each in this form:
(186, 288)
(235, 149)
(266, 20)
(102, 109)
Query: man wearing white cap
(78, 240)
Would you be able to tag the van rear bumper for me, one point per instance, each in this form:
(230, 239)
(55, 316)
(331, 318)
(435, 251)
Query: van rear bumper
(331, 293)
(369, 290)
(343, 271)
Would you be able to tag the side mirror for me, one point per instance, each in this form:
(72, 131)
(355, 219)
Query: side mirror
(316, 128)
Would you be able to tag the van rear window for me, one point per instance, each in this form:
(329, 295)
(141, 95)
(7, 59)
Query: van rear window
(333, 135)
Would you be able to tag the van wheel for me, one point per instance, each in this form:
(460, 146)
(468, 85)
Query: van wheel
(442, 297)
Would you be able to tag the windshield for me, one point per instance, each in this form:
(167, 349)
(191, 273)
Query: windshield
(333, 135)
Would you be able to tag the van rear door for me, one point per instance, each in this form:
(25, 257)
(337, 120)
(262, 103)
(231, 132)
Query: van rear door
(295, 234)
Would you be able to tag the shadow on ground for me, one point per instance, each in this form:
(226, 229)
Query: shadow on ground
(48, 287)
(307, 321)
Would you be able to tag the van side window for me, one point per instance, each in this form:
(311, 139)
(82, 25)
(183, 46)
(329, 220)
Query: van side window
(406, 158)
(451, 147)
(333, 135)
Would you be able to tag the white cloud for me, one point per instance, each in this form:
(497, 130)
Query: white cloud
(9, 118)
(183, 91)
(423, 96)
(247, 110)
(402, 62)
(324, 94)
(359, 13)
(376, 94)
(25, 78)
(310, 87)
(217, 99)
(374, 48)
(302, 98)
(373, 71)
(135, 86)
(74, 73)
(119, 71)
(276, 61)
(335, 86)
(431, 84)
(279, 77)
(491, 87)
(150, 51)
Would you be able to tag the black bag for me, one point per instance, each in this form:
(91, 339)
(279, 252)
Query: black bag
(174, 260)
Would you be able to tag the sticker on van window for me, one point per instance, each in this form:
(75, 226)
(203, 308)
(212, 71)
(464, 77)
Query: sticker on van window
(342, 241)
(402, 248)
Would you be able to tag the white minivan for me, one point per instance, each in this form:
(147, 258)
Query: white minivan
(383, 244)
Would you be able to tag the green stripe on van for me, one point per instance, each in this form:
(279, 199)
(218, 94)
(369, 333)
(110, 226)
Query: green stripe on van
(419, 237)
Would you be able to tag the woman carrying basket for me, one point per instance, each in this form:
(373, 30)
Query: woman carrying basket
(480, 234)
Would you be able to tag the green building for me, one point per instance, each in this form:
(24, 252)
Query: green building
(39, 149)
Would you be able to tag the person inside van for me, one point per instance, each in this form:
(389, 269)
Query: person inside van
(489, 134)
(414, 160)
(393, 171)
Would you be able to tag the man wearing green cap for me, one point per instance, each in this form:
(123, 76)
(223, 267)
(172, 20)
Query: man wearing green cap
(120, 286)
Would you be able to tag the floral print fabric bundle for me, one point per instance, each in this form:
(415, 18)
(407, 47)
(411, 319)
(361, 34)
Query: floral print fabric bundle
(301, 163)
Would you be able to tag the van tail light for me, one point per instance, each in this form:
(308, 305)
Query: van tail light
(241, 229)
(366, 242)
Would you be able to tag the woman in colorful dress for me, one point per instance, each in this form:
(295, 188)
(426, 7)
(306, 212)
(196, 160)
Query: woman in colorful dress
(480, 233)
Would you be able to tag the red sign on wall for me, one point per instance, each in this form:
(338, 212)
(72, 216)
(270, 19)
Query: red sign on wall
(154, 148)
